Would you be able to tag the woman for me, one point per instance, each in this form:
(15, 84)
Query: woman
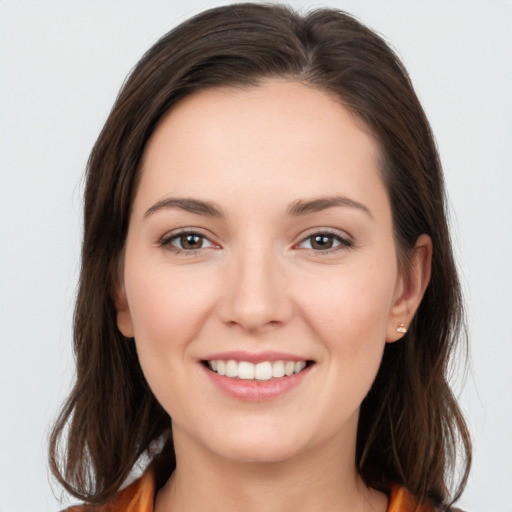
(268, 298)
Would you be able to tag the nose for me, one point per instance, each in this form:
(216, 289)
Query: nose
(256, 294)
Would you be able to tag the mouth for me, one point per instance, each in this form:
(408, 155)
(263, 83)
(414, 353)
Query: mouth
(261, 371)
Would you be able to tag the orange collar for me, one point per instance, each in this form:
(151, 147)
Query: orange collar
(401, 500)
(140, 496)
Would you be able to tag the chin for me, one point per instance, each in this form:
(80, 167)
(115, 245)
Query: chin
(258, 444)
(261, 453)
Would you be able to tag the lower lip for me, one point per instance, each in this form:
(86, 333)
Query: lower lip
(256, 390)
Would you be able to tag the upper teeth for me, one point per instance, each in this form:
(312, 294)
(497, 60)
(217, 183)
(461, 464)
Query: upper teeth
(265, 370)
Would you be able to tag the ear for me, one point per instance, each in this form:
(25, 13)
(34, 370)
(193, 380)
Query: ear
(124, 318)
(410, 289)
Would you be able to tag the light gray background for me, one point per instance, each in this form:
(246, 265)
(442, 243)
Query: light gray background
(61, 65)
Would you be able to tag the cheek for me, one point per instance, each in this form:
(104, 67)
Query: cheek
(349, 317)
(168, 307)
(167, 304)
(354, 300)
(349, 314)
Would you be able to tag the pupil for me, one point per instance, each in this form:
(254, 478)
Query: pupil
(322, 242)
(191, 242)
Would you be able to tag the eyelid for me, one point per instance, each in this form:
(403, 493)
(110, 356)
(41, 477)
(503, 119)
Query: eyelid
(166, 241)
(345, 240)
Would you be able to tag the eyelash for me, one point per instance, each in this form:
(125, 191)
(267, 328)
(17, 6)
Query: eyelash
(344, 243)
(166, 242)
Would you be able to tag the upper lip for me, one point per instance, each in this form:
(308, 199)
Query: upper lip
(254, 357)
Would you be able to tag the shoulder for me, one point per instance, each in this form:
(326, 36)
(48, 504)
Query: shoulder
(401, 500)
(139, 496)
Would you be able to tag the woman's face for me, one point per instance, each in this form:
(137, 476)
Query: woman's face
(260, 242)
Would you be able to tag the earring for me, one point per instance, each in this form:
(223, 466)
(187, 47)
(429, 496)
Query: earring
(401, 328)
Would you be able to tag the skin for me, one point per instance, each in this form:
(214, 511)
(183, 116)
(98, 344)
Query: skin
(260, 283)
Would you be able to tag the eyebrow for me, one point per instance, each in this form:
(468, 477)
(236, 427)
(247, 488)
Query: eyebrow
(188, 204)
(304, 207)
(298, 208)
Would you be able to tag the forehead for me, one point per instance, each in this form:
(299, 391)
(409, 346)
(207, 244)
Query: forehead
(277, 137)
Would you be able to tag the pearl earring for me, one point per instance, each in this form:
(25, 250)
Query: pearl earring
(401, 328)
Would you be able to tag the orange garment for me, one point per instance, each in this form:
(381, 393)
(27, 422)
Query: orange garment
(140, 497)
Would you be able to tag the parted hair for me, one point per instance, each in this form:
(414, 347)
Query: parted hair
(411, 431)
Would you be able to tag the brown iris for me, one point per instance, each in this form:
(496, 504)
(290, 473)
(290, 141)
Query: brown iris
(322, 242)
(191, 241)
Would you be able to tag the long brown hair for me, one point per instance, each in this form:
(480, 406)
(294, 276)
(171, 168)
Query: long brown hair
(410, 427)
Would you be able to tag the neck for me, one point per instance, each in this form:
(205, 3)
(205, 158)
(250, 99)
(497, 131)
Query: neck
(317, 480)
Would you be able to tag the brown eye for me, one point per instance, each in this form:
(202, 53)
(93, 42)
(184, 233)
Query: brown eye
(326, 242)
(186, 242)
(322, 242)
(191, 241)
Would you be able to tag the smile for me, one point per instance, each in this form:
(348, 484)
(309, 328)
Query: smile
(262, 371)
